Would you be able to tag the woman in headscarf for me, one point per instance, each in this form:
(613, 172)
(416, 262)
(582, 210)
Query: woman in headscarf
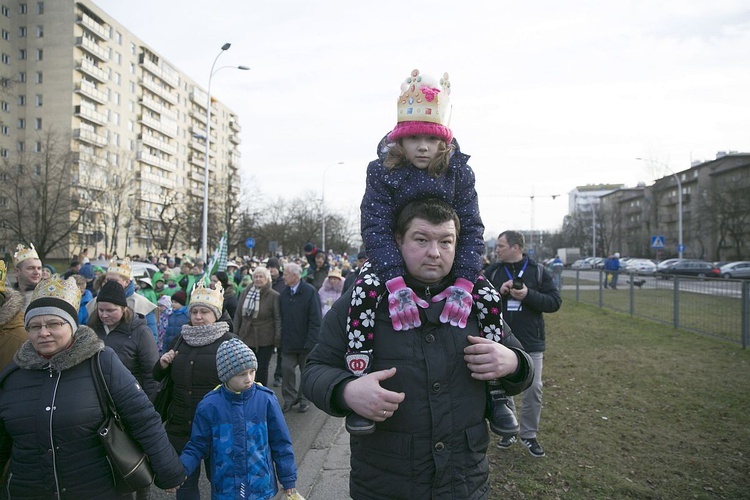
(258, 320)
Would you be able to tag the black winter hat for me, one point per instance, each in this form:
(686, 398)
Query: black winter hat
(113, 293)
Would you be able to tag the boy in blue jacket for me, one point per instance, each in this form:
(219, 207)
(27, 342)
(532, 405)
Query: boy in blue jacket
(240, 429)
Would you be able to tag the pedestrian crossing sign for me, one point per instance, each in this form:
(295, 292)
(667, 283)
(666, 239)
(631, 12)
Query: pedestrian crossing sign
(657, 242)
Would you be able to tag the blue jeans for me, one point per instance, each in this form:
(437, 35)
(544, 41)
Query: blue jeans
(531, 409)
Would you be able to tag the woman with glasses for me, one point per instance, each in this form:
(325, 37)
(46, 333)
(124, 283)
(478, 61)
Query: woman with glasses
(50, 411)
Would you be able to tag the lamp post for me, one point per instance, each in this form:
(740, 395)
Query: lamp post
(680, 246)
(323, 208)
(204, 237)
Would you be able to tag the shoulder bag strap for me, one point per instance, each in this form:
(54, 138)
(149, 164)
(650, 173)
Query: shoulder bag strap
(102, 391)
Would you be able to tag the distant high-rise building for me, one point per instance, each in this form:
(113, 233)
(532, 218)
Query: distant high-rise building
(132, 124)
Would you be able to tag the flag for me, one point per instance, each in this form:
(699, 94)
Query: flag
(219, 260)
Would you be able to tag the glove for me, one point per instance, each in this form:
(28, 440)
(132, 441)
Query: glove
(402, 304)
(458, 302)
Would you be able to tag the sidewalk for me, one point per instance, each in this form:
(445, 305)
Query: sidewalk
(323, 473)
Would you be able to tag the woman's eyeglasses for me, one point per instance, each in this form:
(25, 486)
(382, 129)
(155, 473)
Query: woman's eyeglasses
(52, 326)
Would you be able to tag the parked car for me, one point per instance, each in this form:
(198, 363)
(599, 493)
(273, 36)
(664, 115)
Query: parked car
(640, 266)
(691, 267)
(736, 270)
(581, 264)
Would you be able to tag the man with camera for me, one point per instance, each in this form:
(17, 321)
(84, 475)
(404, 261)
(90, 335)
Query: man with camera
(528, 291)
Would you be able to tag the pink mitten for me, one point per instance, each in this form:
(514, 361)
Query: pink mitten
(402, 304)
(458, 302)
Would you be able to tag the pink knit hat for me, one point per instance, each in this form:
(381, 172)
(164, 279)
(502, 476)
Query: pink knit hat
(423, 108)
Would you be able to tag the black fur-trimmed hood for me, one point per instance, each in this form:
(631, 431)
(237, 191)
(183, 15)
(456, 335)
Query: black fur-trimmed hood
(85, 344)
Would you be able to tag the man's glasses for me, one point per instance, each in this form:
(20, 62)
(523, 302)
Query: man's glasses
(52, 326)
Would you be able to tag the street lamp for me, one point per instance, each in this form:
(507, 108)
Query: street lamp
(323, 207)
(680, 246)
(204, 239)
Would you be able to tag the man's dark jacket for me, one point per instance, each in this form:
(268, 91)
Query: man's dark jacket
(543, 297)
(300, 319)
(435, 444)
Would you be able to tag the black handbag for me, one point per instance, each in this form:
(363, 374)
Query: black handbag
(164, 393)
(129, 463)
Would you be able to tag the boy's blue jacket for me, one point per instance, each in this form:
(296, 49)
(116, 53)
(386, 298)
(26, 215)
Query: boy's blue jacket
(244, 435)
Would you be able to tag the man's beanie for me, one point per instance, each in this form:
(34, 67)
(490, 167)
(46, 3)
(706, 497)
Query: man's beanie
(309, 247)
(273, 262)
(234, 357)
(87, 271)
(180, 296)
(113, 293)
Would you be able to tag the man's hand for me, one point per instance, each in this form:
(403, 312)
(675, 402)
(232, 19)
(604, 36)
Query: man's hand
(458, 302)
(402, 305)
(488, 360)
(507, 289)
(367, 399)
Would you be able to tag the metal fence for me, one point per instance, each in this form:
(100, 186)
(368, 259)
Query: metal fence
(709, 306)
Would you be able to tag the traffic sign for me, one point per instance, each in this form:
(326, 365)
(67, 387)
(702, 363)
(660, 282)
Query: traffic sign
(681, 248)
(250, 242)
(657, 242)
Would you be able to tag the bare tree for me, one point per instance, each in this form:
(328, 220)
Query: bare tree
(46, 200)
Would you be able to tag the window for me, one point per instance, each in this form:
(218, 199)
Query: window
(132, 87)
(132, 68)
(22, 123)
(37, 124)
(5, 106)
(132, 48)
(38, 146)
(4, 153)
(5, 58)
(38, 100)
(118, 38)
(22, 76)
(117, 98)
(39, 77)
(21, 54)
(116, 118)
(39, 54)
(22, 8)
(22, 32)
(118, 58)
(21, 146)
(22, 100)
(6, 35)
(40, 8)
(39, 31)
(4, 129)
(118, 78)
(5, 11)
(38, 169)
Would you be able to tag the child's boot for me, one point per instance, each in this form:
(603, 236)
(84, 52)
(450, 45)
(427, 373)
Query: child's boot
(358, 425)
(502, 419)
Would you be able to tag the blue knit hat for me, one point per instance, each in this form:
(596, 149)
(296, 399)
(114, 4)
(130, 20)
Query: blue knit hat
(234, 357)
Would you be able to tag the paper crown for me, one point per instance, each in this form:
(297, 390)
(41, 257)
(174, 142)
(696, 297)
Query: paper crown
(23, 253)
(123, 269)
(208, 296)
(424, 100)
(57, 288)
(3, 275)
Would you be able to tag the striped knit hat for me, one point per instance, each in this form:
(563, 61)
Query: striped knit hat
(234, 357)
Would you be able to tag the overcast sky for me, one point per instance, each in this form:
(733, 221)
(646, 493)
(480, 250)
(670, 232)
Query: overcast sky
(547, 95)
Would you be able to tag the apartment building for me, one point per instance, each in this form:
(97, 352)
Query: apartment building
(135, 126)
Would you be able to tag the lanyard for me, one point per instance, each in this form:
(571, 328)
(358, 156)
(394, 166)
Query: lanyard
(520, 273)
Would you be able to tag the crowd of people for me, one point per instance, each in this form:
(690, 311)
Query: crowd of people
(418, 346)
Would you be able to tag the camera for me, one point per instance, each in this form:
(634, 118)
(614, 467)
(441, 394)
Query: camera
(517, 284)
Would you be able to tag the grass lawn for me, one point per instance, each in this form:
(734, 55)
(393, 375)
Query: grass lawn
(633, 409)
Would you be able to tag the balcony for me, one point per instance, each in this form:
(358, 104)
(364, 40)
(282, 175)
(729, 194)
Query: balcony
(163, 110)
(235, 139)
(93, 27)
(199, 97)
(200, 116)
(158, 125)
(91, 92)
(154, 180)
(235, 126)
(90, 137)
(87, 161)
(156, 161)
(92, 48)
(157, 89)
(87, 67)
(158, 144)
(86, 113)
(167, 77)
(199, 160)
